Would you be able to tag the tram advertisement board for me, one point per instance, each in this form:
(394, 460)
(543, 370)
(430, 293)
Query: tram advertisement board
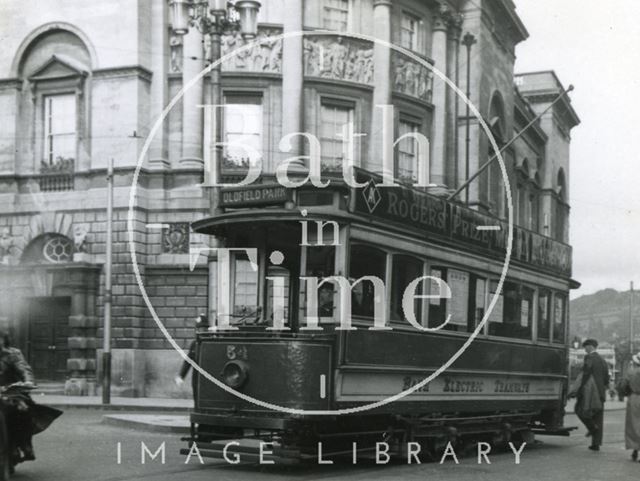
(444, 221)
(398, 204)
(357, 386)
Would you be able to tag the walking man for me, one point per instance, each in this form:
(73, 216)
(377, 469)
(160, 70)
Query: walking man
(595, 379)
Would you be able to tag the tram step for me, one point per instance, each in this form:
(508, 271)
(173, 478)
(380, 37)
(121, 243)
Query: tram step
(564, 431)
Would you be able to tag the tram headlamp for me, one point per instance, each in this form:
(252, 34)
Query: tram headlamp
(235, 373)
(202, 322)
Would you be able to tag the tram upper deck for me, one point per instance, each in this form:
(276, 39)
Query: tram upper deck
(278, 238)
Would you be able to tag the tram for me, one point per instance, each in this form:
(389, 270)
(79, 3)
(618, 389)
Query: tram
(509, 383)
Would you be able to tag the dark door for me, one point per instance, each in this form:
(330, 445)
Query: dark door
(48, 337)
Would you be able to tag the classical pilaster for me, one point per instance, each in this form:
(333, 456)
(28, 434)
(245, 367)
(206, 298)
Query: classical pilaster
(82, 280)
(439, 140)
(292, 75)
(192, 115)
(382, 84)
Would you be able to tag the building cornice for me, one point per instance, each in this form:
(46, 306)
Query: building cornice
(10, 83)
(510, 9)
(137, 71)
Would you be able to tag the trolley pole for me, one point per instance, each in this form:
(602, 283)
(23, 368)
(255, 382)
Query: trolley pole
(106, 348)
(484, 166)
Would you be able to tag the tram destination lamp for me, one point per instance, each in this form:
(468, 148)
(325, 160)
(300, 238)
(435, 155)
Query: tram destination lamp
(215, 18)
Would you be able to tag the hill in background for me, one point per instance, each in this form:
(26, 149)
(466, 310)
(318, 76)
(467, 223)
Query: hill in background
(604, 315)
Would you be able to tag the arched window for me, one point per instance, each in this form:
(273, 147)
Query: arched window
(523, 211)
(54, 69)
(49, 248)
(534, 203)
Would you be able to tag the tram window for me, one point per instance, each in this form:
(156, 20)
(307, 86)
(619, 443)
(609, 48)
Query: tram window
(496, 316)
(544, 318)
(478, 300)
(365, 261)
(438, 304)
(405, 270)
(458, 308)
(277, 292)
(559, 317)
(321, 264)
(245, 282)
(526, 312)
(516, 312)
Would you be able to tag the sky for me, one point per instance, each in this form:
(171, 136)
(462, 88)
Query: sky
(595, 45)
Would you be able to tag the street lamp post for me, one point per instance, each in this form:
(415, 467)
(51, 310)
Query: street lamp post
(468, 41)
(214, 18)
(631, 326)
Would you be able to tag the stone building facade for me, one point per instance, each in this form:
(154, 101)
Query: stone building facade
(81, 84)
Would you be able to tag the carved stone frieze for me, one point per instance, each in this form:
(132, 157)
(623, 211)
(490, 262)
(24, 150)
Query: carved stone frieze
(410, 78)
(339, 59)
(264, 56)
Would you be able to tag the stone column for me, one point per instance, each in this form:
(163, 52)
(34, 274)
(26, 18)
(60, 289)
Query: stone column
(192, 126)
(439, 139)
(382, 85)
(292, 78)
(452, 100)
(158, 151)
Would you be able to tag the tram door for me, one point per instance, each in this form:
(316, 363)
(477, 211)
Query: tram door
(48, 337)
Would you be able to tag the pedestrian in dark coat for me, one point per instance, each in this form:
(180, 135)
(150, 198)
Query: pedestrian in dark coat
(202, 322)
(595, 376)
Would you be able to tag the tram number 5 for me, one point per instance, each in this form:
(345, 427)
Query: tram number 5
(237, 352)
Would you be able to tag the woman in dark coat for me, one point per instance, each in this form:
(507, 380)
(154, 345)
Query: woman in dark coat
(631, 386)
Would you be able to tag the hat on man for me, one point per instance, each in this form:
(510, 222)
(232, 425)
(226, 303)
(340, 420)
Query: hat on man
(590, 342)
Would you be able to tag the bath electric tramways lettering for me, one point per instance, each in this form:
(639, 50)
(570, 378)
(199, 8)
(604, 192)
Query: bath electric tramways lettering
(450, 385)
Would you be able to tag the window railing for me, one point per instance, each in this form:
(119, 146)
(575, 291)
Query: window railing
(56, 176)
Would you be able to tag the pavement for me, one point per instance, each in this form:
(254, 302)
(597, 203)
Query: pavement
(117, 403)
(157, 423)
(608, 405)
(158, 415)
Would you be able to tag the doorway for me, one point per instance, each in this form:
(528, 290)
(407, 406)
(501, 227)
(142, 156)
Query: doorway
(48, 337)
